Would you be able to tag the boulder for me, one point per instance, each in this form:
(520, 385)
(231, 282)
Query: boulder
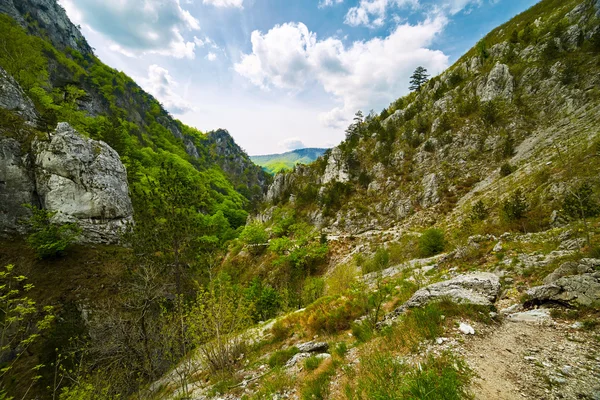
(478, 288)
(573, 290)
(313, 347)
(430, 195)
(498, 84)
(84, 181)
(566, 269)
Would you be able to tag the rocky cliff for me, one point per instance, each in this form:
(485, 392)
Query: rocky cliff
(521, 98)
(83, 180)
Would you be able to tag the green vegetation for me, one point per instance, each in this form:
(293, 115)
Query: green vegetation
(47, 238)
(275, 163)
(432, 242)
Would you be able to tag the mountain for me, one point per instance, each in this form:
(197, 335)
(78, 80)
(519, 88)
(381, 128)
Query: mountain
(449, 248)
(274, 163)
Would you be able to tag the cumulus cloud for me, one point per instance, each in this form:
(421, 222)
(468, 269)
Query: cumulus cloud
(138, 26)
(364, 74)
(161, 85)
(328, 3)
(225, 3)
(211, 56)
(290, 144)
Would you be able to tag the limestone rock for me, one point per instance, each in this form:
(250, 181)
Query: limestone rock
(84, 181)
(17, 186)
(498, 84)
(336, 170)
(566, 269)
(313, 347)
(533, 316)
(573, 290)
(430, 190)
(13, 98)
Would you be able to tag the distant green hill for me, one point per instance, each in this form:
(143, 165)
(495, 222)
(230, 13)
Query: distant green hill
(274, 163)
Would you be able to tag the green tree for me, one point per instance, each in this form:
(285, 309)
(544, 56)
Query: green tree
(255, 237)
(49, 239)
(479, 211)
(418, 78)
(431, 242)
(515, 207)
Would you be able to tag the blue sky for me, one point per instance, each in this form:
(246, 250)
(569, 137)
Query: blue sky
(282, 74)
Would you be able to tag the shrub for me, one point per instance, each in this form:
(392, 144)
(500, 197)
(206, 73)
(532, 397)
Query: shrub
(580, 202)
(506, 169)
(379, 262)
(263, 299)
(313, 289)
(47, 239)
(429, 146)
(515, 207)
(431, 242)
(255, 236)
(362, 331)
(479, 211)
(341, 279)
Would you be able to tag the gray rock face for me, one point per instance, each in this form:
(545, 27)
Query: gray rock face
(52, 19)
(17, 186)
(569, 268)
(336, 170)
(84, 181)
(573, 290)
(498, 84)
(430, 195)
(13, 99)
(313, 347)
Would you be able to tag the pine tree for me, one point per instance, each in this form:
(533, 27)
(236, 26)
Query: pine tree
(418, 78)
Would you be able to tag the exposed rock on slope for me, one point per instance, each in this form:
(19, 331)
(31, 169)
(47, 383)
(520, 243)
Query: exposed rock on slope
(499, 83)
(13, 99)
(85, 182)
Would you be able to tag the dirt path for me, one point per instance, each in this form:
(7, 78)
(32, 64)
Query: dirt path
(520, 360)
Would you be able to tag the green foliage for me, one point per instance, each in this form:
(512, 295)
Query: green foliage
(48, 239)
(379, 261)
(491, 112)
(418, 78)
(383, 376)
(264, 301)
(282, 162)
(280, 357)
(362, 331)
(482, 50)
(317, 387)
(432, 242)
(22, 322)
(313, 289)
(479, 212)
(340, 349)
(581, 202)
(506, 169)
(255, 236)
(515, 207)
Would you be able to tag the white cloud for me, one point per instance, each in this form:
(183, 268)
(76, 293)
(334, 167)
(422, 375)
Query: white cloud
(160, 84)
(328, 3)
(225, 3)
(136, 27)
(367, 74)
(373, 12)
(292, 143)
(211, 56)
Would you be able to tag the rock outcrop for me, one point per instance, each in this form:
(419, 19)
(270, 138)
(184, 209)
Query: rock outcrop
(84, 181)
(336, 170)
(573, 290)
(12, 98)
(498, 84)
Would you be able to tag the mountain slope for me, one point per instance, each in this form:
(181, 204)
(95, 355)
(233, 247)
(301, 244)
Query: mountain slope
(274, 163)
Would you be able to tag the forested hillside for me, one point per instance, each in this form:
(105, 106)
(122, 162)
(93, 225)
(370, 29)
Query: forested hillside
(274, 163)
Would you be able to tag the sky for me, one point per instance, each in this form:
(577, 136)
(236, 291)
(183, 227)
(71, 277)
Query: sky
(282, 74)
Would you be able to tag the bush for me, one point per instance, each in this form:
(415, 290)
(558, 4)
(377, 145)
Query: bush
(263, 299)
(362, 331)
(431, 242)
(255, 236)
(47, 239)
(379, 262)
(506, 169)
(313, 289)
(479, 212)
(580, 202)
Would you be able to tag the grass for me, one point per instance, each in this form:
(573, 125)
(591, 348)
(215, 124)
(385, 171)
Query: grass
(280, 357)
(275, 383)
(312, 363)
(383, 376)
(316, 387)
